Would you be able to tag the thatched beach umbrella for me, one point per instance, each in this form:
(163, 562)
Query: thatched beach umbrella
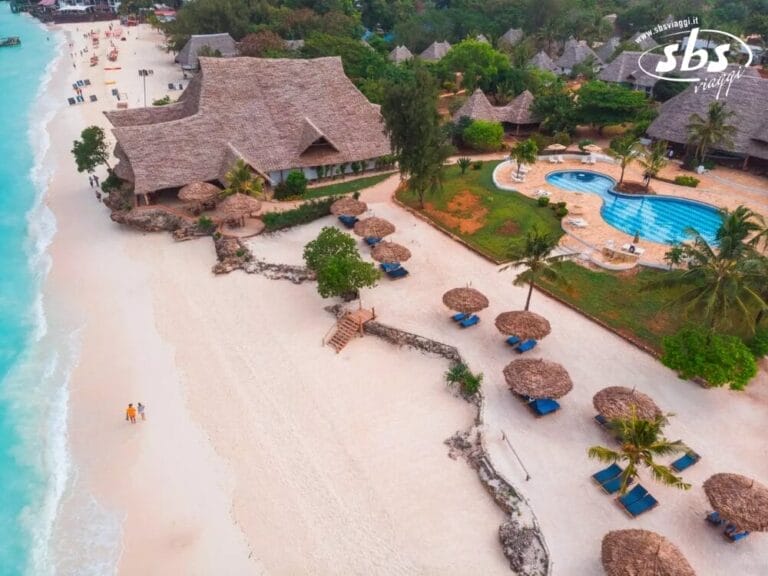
(390, 252)
(556, 147)
(642, 553)
(466, 300)
(617, 402)
(592, 148)
(199, 192)
(740, 500)
(238, 206)
(376, 227)
(537, 378)
(348, 206)
(524, 324)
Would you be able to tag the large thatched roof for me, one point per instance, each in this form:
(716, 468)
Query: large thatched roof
(511, 37)
(524, 324)
(542, 61)
(238, 206)
(221, 42)
(520, 110)
(435, 51)
(625, 69)
(642, 553)
(466, 300)
(478, 107)
(400, 54)
(618, 402)
(348, 206)
(374, 226)
(390, 252)
(747, 98)
(575, 53)
(740, 500)
(607, 49)
(537, 378)
(275, 114)
(199, 192)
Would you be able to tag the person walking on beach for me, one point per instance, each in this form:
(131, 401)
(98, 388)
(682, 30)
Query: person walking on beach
(130, 414)
(90, 181)
(141, 411)
(96, 179)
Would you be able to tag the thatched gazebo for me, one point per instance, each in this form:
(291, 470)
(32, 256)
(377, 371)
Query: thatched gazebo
(200, 194)
(523, 324)
(642, 553)
(739, 500)
(238, 206)
(537, 378)
(375, 227)
(618, 402)
(465, 300)
(348, 206)
(390, 252)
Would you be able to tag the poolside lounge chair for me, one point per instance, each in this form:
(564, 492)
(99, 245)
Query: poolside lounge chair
(513, 340)
(633, 495)
(471, 321)
(577, 222)
(592, 160)
(611, 486)
(602, 420)
(372, 240)
(686, 461)
(585, 159)
(733, 535)
(544, 406)
(398, 272)
(348, 221)
(559, 159)
(389, 266)
(715, 519)
(553, 159)
(606, 474)
(527, 345)
(518, 179)
(641, 506)
(181, 87)
(459, 317)
(541, 193)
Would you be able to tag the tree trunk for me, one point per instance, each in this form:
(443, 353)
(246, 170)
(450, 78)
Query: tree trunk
(530, 292)
(621, 178)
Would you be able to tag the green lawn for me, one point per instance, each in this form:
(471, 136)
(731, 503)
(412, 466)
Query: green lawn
(503, 217)
(344, 187)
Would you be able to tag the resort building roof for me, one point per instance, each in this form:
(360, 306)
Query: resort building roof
(747, 98)
(518, 112)
(605, 51)
(275, 114)
(400, 54)
(511, 37)
(435, 51)
(221, 42)
(625, 69)
(575, 53)
(542, 61)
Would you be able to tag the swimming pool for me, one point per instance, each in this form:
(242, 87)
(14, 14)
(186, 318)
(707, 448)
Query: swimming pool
(661, 219)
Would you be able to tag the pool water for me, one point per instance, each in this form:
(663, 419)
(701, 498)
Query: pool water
(662, 219)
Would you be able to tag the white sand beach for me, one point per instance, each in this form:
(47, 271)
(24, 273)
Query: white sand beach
(266, 453)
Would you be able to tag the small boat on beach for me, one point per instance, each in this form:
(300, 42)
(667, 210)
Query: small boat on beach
(10, 41)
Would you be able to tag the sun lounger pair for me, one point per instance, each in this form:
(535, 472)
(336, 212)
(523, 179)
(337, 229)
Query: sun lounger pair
(733, 534)
(394, 270)
(609, 479)
(469, 321)
(71, 101)
(686, 461)
(372, 240)
(529, 344)
(348, 221)
(637, 501)
(577, 222)
(543, 406)
(541, 193)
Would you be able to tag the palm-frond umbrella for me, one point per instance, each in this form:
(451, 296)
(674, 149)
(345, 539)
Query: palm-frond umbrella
(556, 147)
(348, 206)
(375, 227)
(739, 500)
(537, 378)
(523, 324)
(592, 148)
(619, 402)
(390, 252)
(642, 553)
(466, 300)
(238, 206)
(200, 194)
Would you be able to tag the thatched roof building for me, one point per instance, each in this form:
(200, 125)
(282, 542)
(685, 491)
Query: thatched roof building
(625, 69)
(542, 61)
(188, 57)
(435, 51)
(605, 52)
(277, 115)
(576, 52)
(511, 37)
(400, 54)
(517, 113)
(747, 97)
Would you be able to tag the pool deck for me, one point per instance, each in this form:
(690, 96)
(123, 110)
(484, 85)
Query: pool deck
(723, 187)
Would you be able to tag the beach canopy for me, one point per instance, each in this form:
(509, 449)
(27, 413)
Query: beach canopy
(618, 402)
(740, 500)
(556, 147)
(642, 553)
(238, 206)
(592, 148)
(524, 324)
(376, 227)
(537, 378)
(199, 192)
(390, 252)
(348, 206)
(466, 300)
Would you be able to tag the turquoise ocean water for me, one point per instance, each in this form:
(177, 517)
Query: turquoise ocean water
(33, 362)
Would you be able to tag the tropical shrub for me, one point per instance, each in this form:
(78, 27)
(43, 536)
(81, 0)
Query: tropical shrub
(344, 275)
(463, 163)
(307, 212)
(296, 183)
(561, 212)
(483, 135)
(330, 242)
(717, 359)
(477, 165)
(584, 143)
(562, 138)
(468, 382)
(690, 181)
(758, 344)
(543, 201)
(205, 224)
(164, 101)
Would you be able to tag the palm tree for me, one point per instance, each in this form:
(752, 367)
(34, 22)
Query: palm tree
(704, 133)
(524, 152)
(654, 160)
(463, 163)
(240, 180)
(737, 227)
(626, 150)
(536, 257)
(641, 441)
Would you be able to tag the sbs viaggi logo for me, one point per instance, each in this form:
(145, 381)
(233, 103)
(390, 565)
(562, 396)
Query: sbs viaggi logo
(688, 57)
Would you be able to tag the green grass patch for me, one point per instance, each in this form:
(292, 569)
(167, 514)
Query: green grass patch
(345, 187)
(495, 223)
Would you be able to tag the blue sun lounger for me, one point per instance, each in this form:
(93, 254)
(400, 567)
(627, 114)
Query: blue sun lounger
(544, 406)
(372, 240)
(607, 473)
(686, 461)
(398, 272)
(471, 321)
(389, 266)
(641, 506)
(612, 486)
(527, 345)
(459, 317)
(715, 519)
(513, 340)
(734, 536)
(348, 221)
(637, 493)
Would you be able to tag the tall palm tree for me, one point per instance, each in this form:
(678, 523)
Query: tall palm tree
(641, 442)
(709, 131)
(742, 229)
(654, 160)
(536, 257)
(626, 150)
(241, 180)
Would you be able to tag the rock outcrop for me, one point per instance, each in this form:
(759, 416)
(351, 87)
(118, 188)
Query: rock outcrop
(150, 219)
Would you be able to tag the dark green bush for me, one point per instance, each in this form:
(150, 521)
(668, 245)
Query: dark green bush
(758, 344)
(561, 212)
(543, 201)
(477, 165)
(205, 224)
(305, 213)
(111, 183)
(690, 181)
(469, 383)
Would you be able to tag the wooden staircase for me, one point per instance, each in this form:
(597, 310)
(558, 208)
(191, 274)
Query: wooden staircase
(349, 326)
